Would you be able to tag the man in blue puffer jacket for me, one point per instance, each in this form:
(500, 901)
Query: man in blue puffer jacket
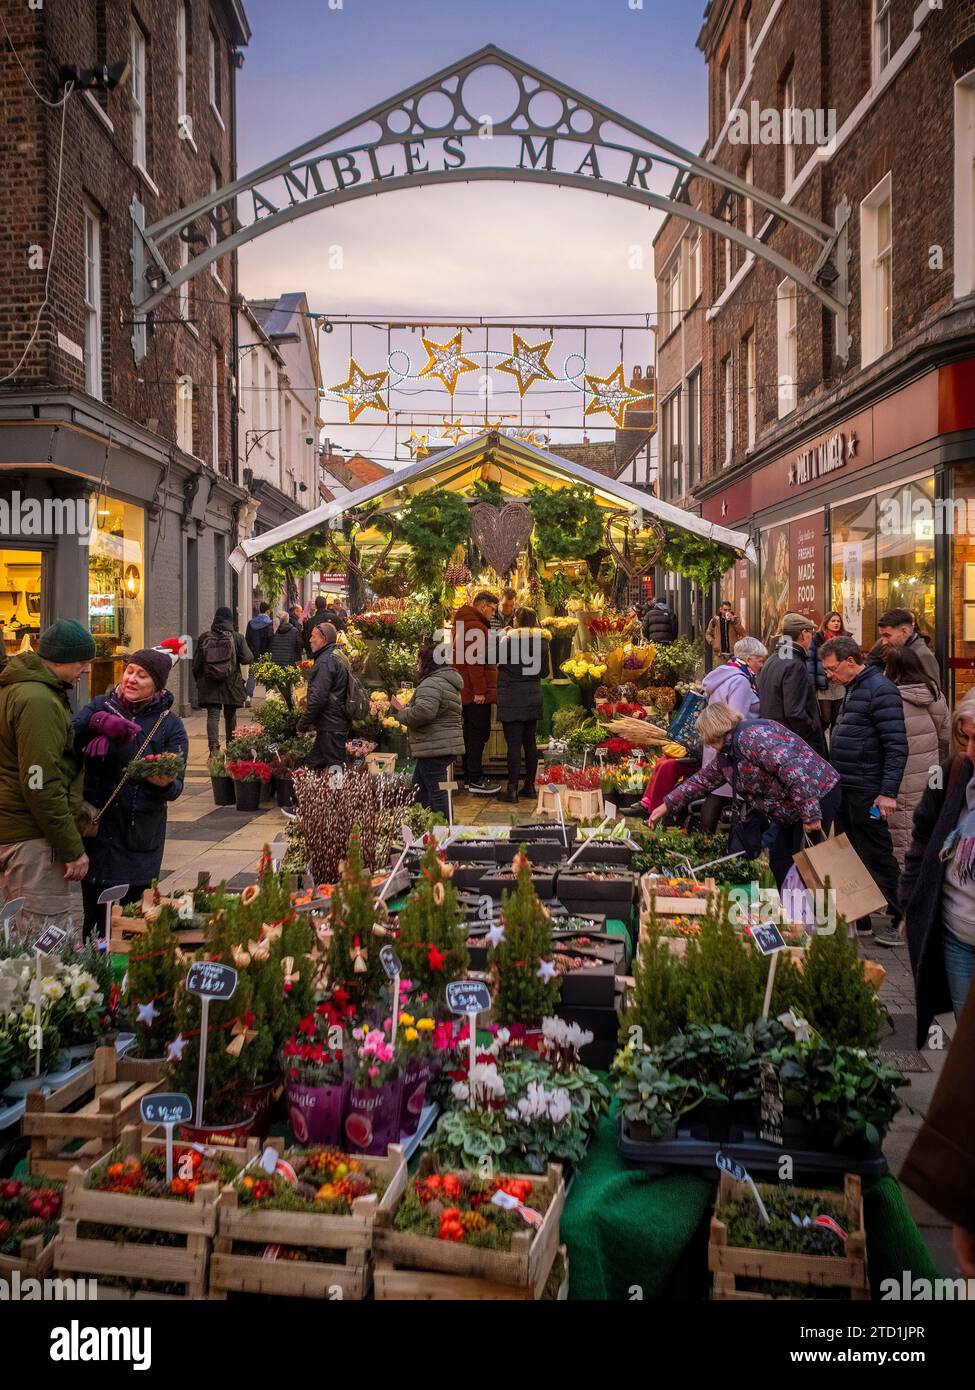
(869, 751)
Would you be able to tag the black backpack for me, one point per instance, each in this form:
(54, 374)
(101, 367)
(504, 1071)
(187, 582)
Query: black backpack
(219, 655)
(356, 700)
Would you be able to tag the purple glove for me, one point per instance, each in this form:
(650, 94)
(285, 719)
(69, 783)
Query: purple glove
(110, 728)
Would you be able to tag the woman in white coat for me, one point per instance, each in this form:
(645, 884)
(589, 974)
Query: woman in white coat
(926, 720)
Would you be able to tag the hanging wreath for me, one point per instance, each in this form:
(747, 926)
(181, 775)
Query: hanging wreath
(433, 524)
(568, 522)
(697, 558)
(293, 560)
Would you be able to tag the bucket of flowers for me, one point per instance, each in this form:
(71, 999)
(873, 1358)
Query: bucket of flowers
(30, 1209)
(316, 1084)
(250, 777)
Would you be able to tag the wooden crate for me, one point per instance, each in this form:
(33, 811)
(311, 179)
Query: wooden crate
(192, 1223)
(83, 1120)
(410, 1266)
(125, 931)
(728, 1263)
(346, 1275)
(35, 1260)
(675, 907)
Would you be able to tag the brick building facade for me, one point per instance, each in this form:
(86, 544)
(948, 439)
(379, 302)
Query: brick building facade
(816, 454)
(154, 441)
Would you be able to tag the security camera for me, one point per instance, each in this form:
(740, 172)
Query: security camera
(309, 438)
(326, 327)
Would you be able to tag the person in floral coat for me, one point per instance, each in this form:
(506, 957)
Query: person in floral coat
(772, 773)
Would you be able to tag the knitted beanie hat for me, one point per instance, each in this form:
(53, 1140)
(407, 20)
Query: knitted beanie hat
(66, 641)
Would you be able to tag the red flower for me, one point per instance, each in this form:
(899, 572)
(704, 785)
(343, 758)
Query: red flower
(307, 1026)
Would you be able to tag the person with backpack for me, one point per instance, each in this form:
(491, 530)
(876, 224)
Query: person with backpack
(287, 648)
(220, 653)
(335, 700)
(319, 614)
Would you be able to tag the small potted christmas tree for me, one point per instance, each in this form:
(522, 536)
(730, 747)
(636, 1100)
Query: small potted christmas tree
(430, 939)
(522, 958)
(153, 976)
(353, 962)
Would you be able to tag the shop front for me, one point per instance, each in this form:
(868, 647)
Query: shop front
(871, 515)
(116, 588)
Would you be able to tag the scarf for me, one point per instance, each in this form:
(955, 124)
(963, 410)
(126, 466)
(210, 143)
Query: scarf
(960, 844)
(130, 707)
(745, 671)
(725, 646)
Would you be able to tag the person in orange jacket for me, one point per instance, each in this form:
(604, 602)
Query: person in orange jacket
(473, 645)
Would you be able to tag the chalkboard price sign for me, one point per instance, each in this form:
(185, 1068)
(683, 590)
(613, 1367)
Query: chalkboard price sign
(729, 1165)
(468, 997)
(211, 980)
(767, 938)
(771, 1104)
(390, 961)
(166, 1108)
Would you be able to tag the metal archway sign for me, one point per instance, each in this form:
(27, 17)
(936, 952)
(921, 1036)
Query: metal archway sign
(488, 116)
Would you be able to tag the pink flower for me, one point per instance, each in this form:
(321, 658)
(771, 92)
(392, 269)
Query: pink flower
(373, 1071)
(404, 987)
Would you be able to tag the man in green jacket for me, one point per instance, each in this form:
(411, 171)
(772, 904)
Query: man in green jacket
(42, 856)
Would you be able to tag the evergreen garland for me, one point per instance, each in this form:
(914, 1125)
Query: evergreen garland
(433, 524)
(568, 522)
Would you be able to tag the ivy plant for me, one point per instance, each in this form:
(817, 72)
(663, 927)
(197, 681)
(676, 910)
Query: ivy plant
(433, 524)
(568, 522)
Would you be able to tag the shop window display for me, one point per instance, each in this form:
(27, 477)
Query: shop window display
(116, 589)
(20, 598)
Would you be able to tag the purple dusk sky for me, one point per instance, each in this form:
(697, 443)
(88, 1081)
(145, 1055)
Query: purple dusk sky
(518, 251)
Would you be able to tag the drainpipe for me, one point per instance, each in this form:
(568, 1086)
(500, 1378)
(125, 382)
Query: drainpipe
(234, 353)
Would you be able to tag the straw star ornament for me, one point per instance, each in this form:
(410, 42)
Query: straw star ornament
(611, 394)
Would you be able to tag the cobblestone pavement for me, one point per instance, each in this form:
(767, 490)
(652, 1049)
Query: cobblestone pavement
(226, 842)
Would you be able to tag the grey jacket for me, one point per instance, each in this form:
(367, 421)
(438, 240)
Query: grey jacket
(926, 722)
(434, 715)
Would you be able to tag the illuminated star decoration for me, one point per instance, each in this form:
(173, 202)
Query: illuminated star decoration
(174, 1052)
(496, 935)
(148, 1013)
(417, 445)
(453, 430)
(447, 361)
(546, 971)
(527, 363)
(612, 395)
(529, 438)
(362, 390)
(492, 424)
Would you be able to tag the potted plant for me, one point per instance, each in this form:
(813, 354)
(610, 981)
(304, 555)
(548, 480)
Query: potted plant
(420, 1064)
(220, 779)
(430, 939)
(316, 1085)
(522, 959)
(375, 1092)
(652, 1100)
(249, 777)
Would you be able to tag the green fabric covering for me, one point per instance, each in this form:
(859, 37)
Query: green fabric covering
(625, 1230)
(556, 695)
(615, 927)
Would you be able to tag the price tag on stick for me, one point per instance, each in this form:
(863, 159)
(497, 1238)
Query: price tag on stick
(105, 900)
(407, 834)
(393, 967)
(7, 913)
(769, 941)
(740, 1173)
(167, 1109)
(208, 979)
(450, 786)
(470, 997)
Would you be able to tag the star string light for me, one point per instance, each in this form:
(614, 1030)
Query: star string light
(447, 360)
(612, 395)
(417, 444)
(527, 363)
(362, 390)
(453, 430)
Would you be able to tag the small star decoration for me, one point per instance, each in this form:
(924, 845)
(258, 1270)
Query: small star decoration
(496, 935)
(362, 390)
(147, 1013)
(447, 360)
(546, 970)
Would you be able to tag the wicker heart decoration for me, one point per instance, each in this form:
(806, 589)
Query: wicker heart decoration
(659, 540)
(376, 564)
(501, 533)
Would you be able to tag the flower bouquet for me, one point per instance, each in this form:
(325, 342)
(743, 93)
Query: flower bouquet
(155, 765)
(372, 626)
(562, 627)
(30, 1211)
(249, 770)
(316, 1085)
(584, 668)
(359, 747)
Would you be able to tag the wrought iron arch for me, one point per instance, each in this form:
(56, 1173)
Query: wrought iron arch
(545, 119)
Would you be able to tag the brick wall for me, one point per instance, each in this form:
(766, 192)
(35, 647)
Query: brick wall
(908, 132)
(97, 167)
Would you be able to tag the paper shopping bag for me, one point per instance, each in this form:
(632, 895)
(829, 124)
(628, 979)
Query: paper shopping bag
(857, 895)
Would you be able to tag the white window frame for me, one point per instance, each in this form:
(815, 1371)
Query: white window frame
(751, 392)
(670, 295)
(692, 266)
(788, 132)
(184, 413)
(182, 63)
(93, 302)
(137, 89)
(214, 185)
(184, 289)
(213, 54)
(728, 368)
(876, 274)
(215, 410)
(787, 346)
(964, 245)
(881, 46)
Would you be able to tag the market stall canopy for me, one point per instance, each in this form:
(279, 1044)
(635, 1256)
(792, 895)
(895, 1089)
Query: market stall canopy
(515, 465)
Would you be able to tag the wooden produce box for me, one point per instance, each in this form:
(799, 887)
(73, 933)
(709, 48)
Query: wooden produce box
(181, 1256)
(409, 1266)
(671, 906)
(83, 1120)
(35, 1260)
(126, 930)
(347, 1241)
(729, 1263)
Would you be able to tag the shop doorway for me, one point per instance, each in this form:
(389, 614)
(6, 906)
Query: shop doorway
(24, 587)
